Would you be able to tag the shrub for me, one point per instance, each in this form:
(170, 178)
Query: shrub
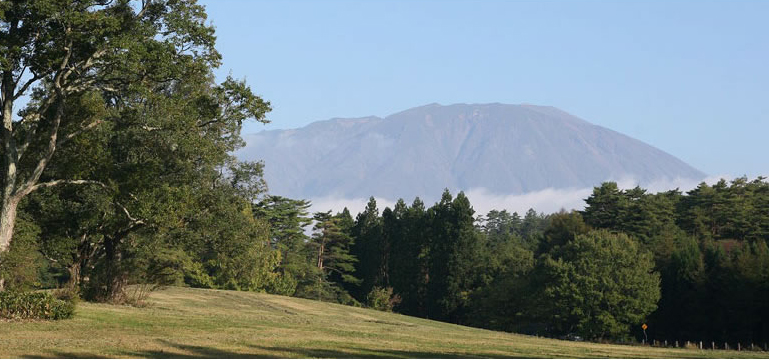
(34, 305)
(69, 293)
(284, 284)
(20, 265)
(382, 299)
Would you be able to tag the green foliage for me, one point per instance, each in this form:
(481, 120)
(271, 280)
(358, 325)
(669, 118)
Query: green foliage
(382, 299)
(23, 267)
(500, 224)
(142, 189)
(371, 249)
(334, 264)
(738, 211)
(562, 229)
(407, 232)
(287, 219)
(502, 304)
(598, 286)
(605, 207)
(34, 305)
(283, 284)
(456, 249)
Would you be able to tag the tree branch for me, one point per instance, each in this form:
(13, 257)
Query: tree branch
(33, 128)
(26, 85)
(145, 6)
(30, 185)
(208, 122)
(134, 220)
(78, 132)
(63, 182)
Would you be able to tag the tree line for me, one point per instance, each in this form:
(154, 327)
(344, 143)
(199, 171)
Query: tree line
(692, 266)
(117, 170)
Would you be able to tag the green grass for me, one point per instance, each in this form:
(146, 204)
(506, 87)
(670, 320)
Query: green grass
(185, 322)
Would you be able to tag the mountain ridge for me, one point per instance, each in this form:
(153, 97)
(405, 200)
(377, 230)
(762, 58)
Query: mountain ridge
(506, 149)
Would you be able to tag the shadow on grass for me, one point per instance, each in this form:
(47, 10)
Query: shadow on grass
(183, 351)
(375, 354)
(64, 355)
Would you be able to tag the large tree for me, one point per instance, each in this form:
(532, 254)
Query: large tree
(287, 219)
(335, 265)
(597, 286)
(73, 67)
(456, 250)
(370, 250)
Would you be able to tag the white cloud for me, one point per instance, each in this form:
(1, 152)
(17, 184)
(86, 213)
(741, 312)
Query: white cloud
(545, 201)
(355, 205)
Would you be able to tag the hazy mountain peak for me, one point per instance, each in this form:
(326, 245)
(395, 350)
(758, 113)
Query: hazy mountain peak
(503, 148)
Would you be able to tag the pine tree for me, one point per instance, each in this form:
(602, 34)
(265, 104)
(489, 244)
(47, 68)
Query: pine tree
(335, 265)
(606, 207)
(287, 219)
(409, 256)
(369, 250)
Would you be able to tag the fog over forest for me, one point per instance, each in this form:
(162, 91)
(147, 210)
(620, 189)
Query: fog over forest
(545, 201)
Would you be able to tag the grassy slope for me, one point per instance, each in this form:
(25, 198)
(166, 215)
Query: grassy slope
(206, 323)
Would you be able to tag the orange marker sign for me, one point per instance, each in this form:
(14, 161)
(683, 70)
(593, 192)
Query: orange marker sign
(644, 326)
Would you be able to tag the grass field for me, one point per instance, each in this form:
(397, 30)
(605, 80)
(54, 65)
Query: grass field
(183, 322)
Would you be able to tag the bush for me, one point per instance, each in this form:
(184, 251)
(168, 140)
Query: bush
(382, 299)
(21, 264)
(34, 305)
(69, 293)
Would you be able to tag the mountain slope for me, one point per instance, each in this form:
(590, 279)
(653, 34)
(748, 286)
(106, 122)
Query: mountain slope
(505, 149)
(198, 323)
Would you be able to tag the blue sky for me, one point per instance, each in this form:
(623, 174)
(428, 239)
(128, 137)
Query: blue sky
(689, 77)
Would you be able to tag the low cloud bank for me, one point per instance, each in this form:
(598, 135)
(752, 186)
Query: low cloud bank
(355, 206)
(545, 201)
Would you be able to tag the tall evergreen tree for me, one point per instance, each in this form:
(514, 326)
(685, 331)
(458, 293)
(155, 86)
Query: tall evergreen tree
(369, 250)
(335, 265)
(455, 257)
(606, 207)
(287, 219)
(410, 256)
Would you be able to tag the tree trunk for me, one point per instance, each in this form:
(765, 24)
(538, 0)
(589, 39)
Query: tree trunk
(8, 202)
(112, 274)
(74, 271)
(320, 263)
(7, 221)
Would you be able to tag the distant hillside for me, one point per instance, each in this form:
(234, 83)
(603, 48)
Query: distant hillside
(197, 323)
(506, 149)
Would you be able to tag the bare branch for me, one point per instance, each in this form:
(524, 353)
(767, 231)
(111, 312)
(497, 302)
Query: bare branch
(78, 132)
(86, 64)
(30, 185)
(34, 117)
(26, 85)
(209, 122)
(46, 157)
(63, 182)
(49, 258)
(145, 6)
(134, 220)
(63, 66)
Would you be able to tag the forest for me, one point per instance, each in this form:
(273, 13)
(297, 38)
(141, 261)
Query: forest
(118, 175)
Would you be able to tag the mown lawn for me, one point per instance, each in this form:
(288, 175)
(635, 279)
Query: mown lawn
(183, 322)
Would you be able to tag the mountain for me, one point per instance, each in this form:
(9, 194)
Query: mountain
(505, 149)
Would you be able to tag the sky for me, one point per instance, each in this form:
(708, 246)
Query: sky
(688, 77)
